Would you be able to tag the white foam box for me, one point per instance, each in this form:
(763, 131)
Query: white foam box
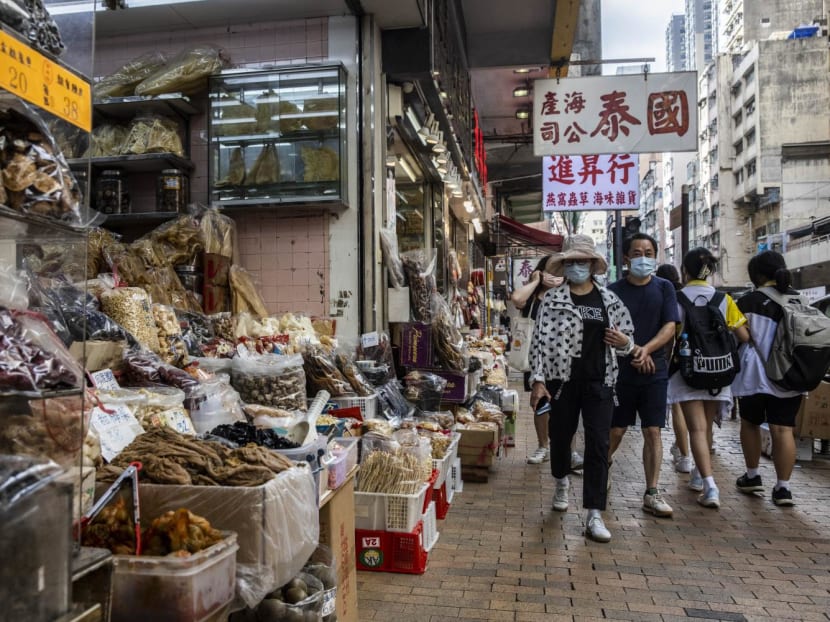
(398, 303)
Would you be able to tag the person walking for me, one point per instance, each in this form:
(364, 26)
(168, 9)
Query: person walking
(643, 380)
(760, 400)
(528, 299)
(680, 448)
(701, 406)
(581, 329)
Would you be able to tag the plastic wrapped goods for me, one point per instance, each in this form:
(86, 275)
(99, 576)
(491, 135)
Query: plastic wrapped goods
(271, 380)
(320, 164)
(232, 117)
(123, 80)
(186, 73)
(218, 233)
(106, 140)
(130, 307)
(246, 296)
(322, 374)
(447, 339)
(35, 177)
(266, 168)
(172, 347)
(321, 114)
(420, 273)
(152, 134)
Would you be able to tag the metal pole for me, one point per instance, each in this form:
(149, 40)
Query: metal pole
(618, 243)
(684, 220)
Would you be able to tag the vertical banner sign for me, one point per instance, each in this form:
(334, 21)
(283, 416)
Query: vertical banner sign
(523, 267)
(643, 113)
(590, 182)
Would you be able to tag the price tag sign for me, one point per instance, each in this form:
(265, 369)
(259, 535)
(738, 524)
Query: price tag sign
(104, 379)
(369, 340)
(44, 83)
(116, 429)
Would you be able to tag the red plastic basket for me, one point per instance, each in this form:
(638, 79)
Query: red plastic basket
(429, 496)
(442, 504)
(390, 551)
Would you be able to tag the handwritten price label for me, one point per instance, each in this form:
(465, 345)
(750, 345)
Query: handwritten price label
(44, 83)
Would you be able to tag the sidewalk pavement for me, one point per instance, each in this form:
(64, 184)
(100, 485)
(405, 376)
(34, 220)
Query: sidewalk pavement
(504, 554)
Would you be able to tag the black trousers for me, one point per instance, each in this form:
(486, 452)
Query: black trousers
(596, 403)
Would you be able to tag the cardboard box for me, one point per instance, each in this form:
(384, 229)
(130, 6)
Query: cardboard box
(337, 532)
(99, 354)
(398, 304)
(815, 413)
(416, 345)
(276, 523)
(478, 447)
(460, 385)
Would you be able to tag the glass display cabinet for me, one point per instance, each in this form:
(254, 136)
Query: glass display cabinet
(278, 136)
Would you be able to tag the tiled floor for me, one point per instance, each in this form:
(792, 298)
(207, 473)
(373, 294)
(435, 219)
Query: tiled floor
(503, 554)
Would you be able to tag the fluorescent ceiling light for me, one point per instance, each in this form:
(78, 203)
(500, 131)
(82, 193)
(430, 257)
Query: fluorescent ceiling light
(391, 161)
(468, 205)
(477, 225)
(521, 91)
(522, 113)
(523, 70)
(439, 147)
(442, 158)
(408, 170)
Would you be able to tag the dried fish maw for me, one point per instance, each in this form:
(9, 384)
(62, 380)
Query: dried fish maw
(269, 169)
(20, 173)
(45, 183)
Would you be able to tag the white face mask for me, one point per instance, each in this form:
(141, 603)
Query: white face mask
(641, 267)
(578, 273)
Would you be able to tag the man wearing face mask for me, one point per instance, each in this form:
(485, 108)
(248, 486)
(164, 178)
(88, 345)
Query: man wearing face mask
(581, 330)
(643, 379)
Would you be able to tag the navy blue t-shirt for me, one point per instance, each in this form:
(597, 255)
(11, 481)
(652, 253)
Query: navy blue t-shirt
(651, 306)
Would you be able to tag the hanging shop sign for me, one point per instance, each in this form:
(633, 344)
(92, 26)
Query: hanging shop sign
(590, 182)
(615, 114)
(523, 267)
(45, 83)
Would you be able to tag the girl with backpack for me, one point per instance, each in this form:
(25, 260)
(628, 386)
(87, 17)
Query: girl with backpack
(709, 312)
(760, 399)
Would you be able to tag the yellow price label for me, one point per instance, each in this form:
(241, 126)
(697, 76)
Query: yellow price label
(44, 83)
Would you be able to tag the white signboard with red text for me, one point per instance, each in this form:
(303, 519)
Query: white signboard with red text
(642, 113)
(590, 182)
(523, 267)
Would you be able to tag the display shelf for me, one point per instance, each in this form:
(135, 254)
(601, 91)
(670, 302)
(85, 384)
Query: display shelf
(31, 226)
(125, 108)
(287, 126)
(114, 220)
(143, 163)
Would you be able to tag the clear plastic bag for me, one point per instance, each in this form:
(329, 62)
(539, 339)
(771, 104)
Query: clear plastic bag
(299, 599)
(271, 380)
(392, 402)
(346, 364)
(36, 178)
(105, 141)
(450, 347)
(381, 355)
(420, 274)
(323, 565)
(245, 292)
(143, 368)
(122, 81)
(424, 389)
(196, 331)
(214, 402)
(150, 133)
(172, 348)
(84, 319)
(13, 288)
(391, 257)
(186, 73)
(218, 232)
(130, 307)
(322, 374)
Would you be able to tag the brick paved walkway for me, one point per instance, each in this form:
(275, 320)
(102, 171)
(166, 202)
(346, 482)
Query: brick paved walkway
(503, 554)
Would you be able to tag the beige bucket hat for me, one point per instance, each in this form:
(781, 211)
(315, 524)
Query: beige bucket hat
(577, 247)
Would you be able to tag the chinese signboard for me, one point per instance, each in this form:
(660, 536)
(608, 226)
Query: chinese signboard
(33, 77)
(523, 267)
(590, 182)
(615, 114)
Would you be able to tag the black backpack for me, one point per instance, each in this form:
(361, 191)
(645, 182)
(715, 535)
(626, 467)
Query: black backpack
(714, 361)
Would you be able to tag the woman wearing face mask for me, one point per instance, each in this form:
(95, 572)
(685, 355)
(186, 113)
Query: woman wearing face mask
(580, 331)
(528, 299)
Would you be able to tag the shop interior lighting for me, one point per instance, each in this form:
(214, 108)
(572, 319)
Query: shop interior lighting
(440, 146)
(468, 205)
(522, 113)
(435, 135)
(457, 194)
(440, 167)
(521, 91)
(391, 161)
(426, 129)
(442, 158)
(477, 225)
(407, 168)
(523, 70)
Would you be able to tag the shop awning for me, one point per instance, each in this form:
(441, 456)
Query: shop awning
(504, 234)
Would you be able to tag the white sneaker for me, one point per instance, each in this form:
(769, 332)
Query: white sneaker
(675, 452)
(577, 461)
(683, 464)
(696, 481)
(655, 504)
(560, 497)
(596, 530)
(542, 454)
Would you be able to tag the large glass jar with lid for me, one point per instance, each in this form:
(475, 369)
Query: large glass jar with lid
(172, 191)
(111, 195)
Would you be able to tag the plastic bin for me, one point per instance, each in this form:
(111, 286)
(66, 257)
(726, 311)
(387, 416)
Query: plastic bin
(443, 467)
(442, 502)
(343, 459)
(376, 511)
(385, 551)
(430, 527)
(310, 452)
(368, 405)
(457, 482)
(175, 589)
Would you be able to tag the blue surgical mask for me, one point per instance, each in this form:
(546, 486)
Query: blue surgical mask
(641, 267)
(578, 273)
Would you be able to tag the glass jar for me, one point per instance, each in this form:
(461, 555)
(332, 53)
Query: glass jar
(172, 191)
(111, 195)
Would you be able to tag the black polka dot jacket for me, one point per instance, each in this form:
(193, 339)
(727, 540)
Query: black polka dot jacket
(557, 335)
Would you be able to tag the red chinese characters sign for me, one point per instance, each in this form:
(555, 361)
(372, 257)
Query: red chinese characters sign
(590, 182)
(615, 114)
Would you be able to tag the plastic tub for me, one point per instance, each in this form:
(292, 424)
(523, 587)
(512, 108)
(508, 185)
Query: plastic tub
(310, 452)
(343, 458)
(175, 589)
(376, 511)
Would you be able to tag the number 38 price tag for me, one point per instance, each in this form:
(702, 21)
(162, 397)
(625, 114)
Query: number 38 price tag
(44, 83)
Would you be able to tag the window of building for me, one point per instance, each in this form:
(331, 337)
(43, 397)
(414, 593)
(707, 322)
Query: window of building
(739, 147)
(750, 137)
(761, 232)
(775, 226)
(749, 107)
(715, 211)
(737, 118)
(749, 76)
(739, 177)
(750, 168)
